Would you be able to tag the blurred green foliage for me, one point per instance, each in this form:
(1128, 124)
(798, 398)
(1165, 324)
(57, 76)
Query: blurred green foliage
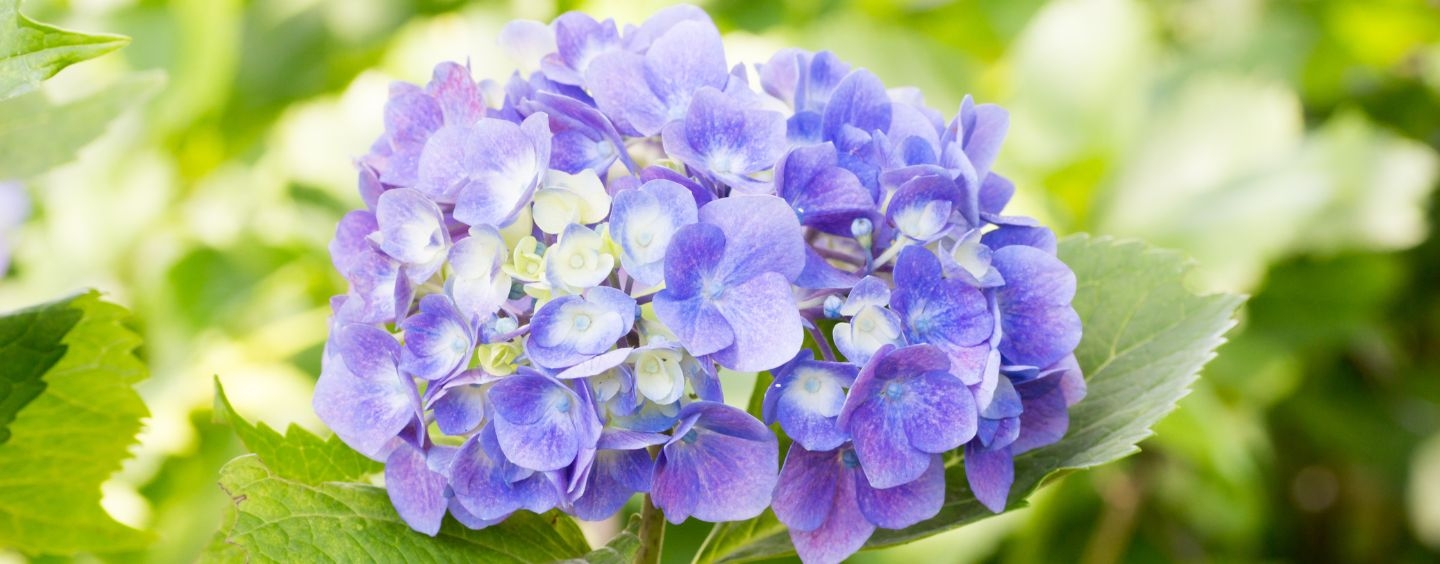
(1290, 146)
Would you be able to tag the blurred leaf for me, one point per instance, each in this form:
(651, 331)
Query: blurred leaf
(31, 51)
(29, 346)
(36, 135)
(621, 549)
(71, 438)
(1146, 338)
(299, 454)
(282, 520)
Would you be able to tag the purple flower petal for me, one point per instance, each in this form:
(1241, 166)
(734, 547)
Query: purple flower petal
(456, 94)
(645, 221)
(540, 424)
(906, 504)
(903, 407)
(438, 341)
(858, 102)
(990, 473)
(1040, 327)
(489, 169)
(361, 395)
(806, 399)
(723, 137)
(806, 491)
(823, 195)
(489, 487)
(761, 235)
(722, 449)
(416, 491)
(617, 475)
(644, 92)
(767, 327)
(844, 532)
(944, 312)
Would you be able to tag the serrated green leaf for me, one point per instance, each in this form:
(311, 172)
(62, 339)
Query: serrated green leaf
(29, 346)
(36, 135)
(299, 454)
(1146, 338)
(620, 550)
(71, 438)
(31, 51)
(283, 520)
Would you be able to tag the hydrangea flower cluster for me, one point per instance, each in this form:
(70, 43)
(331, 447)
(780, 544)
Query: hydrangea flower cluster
(551, 273)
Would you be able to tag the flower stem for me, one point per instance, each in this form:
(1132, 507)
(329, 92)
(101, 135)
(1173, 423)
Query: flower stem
(652, 533)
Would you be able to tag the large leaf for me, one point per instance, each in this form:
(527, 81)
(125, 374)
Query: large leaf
(31, 51)
(1146, 338)
(298, 455)
(277, 519)
(29, 346)
(36, 134)
(73, 436)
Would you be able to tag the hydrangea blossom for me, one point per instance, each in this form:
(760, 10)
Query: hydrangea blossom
(546, 281)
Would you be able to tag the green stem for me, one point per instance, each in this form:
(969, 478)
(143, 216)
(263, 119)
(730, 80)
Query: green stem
(652, 533)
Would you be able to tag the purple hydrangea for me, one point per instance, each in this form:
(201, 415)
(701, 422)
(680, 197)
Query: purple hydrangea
(544, 286)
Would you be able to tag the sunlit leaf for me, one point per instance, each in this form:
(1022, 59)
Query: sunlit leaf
(31, 51)
(277, 519)
(72, 437)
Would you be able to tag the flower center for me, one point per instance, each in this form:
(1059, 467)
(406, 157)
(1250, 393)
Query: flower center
(894, 390)
(690, 436)
(645, 238)
(577, 260)
(713, 289)
(563, 406)
(849, 459)
(812, 385)
(582, 322)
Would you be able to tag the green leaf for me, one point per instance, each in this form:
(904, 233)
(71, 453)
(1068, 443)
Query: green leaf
(31, 51)
(277, 519)
(1146, 338)
(620, 550)
(37, 135)
(298, 455)
(29, 346)
(72, 437)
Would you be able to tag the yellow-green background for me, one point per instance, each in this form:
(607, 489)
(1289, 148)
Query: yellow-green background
(1289, 146)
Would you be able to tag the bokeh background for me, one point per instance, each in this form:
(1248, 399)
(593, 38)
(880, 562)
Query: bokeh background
(1288, 146)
